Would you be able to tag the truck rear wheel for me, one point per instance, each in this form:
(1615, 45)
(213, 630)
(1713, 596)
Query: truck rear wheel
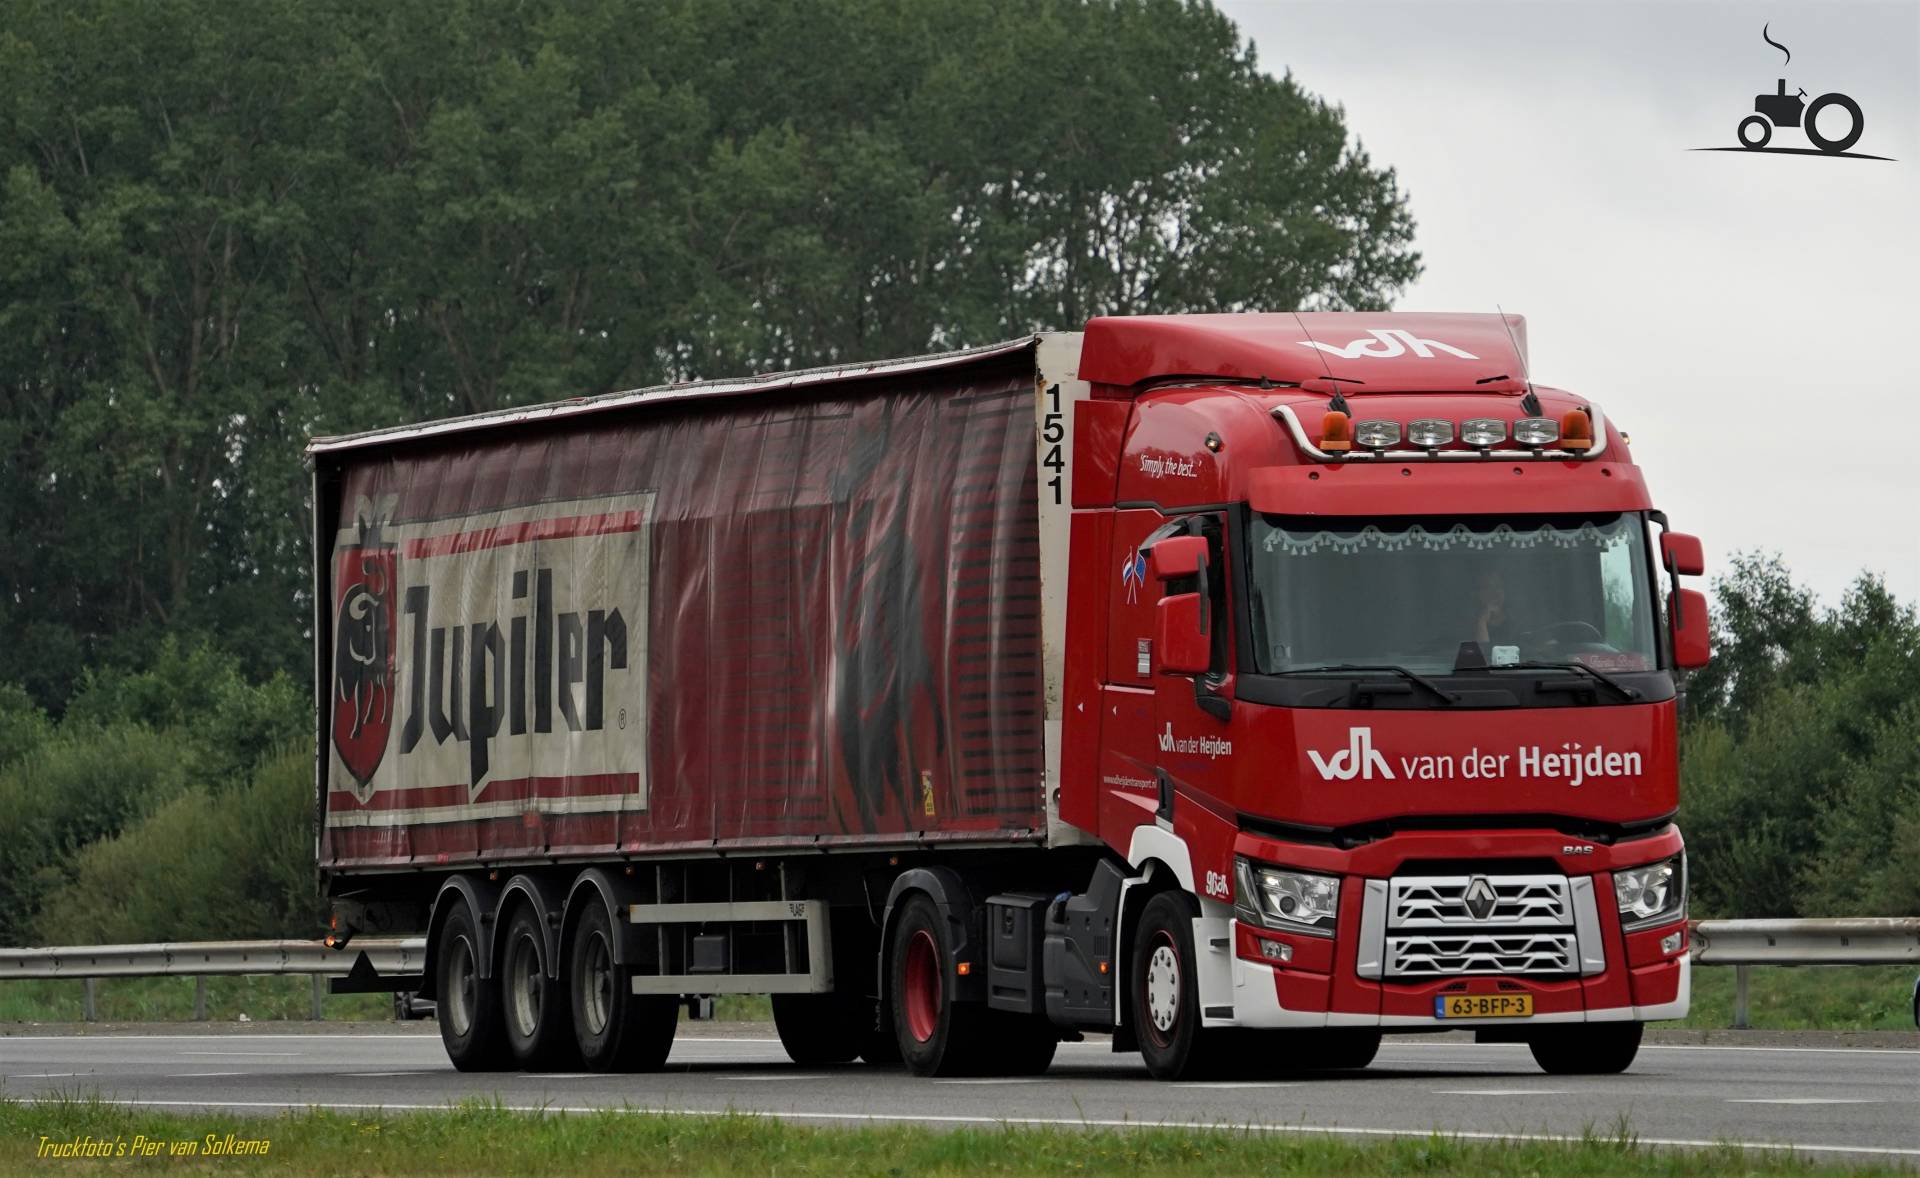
(1163, 995)
(468, 1005)
(821, 1028)
(1341, 1047)
(539, 1024)
(937, 1036)
(1586, 1049)
(614, 1029)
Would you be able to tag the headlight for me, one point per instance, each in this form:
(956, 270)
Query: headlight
(1293, 900)
(1651, 894)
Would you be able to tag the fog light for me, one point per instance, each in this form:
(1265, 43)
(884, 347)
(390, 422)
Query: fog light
(1536, 431)
(1483, 431)
(1276, 950)
(1429, 432)
(1670, 944)
(1376, 433)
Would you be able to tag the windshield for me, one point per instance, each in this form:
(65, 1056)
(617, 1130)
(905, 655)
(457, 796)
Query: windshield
(1439, 595)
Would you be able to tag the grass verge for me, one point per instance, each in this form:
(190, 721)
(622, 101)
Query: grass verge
(1807, 997)
(150, 1000)
(481, 1138)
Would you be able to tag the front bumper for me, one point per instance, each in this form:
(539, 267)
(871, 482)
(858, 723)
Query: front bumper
(1584, 967)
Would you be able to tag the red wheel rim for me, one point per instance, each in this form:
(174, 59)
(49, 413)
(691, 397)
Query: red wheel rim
(922, 986)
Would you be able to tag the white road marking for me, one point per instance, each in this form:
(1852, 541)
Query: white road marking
(201, 1075)
(997, 1080)
(1233, 1084)
(770, 1076)
(263, 1054)
(416, 1072)
(566, 1076)
(1796, 1100)
(1500, 1091)
(45, 1075)
(1061, 1122)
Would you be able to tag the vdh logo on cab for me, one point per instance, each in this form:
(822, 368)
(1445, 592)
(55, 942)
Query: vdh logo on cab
(1358, 759)
(1388, 343)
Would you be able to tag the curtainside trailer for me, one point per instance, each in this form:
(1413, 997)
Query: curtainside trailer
(1244, 687)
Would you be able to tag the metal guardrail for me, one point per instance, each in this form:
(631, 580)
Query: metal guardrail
(1738, 943)
(1868, 940)
(201, 959)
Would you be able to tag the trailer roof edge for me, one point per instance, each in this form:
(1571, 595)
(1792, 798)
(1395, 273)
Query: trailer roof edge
(667, 394)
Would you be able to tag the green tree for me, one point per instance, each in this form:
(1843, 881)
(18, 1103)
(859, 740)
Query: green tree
(220, 234)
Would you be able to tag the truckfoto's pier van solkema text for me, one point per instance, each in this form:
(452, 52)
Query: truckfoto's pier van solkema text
(1245, 686)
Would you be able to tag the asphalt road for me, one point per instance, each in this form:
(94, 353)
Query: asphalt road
(1832, 1102)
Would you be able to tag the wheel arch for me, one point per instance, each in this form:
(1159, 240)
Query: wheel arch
(951, 895)
(595, 886)
(479, 897)
(531, 890)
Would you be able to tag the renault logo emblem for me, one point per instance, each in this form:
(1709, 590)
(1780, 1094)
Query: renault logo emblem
(1480, 898)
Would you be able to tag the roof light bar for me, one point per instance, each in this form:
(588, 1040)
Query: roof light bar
(1376, 433)
(1536, 431)
(1483, 431)
(1430, 432)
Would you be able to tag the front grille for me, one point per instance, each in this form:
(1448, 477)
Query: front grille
(1443, 955)
(1442, 901)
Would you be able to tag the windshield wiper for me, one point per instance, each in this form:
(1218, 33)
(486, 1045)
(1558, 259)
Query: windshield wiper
(1625, 692)
(1438, 691)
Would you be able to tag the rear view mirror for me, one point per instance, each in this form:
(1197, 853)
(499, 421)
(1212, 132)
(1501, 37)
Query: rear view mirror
(1681, 554)
(1180, 638)
(1692, 639)
(1177, 556)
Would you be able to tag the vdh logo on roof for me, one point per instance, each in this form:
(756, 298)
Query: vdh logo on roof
(1388, 343)
(1358, 759)
(1781, 109)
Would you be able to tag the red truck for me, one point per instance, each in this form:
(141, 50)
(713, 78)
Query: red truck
(1243, 686)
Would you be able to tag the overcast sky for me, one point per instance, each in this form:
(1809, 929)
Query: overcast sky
(1753, 321)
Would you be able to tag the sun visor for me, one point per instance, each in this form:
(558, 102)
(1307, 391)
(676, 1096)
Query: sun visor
(1466, 488)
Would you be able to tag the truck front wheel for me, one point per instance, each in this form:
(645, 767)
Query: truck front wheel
(615, 1029)
(468, 1004)
(1163, 993)
(1586, 1049)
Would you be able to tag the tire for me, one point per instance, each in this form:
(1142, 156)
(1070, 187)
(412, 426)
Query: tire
(936, 1036)
(468, 1005)
(1022, 1044)
(820, 1029)
(1766, 132)
(1343, 1049)
(1810, 122)
(1163, 996)
(1592, 1049)
(534, 1009)
(614, 1029)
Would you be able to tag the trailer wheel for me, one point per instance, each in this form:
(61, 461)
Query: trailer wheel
(1163, 995)
(936, 1035)
(821, 1028)
(538, 1021)
(614, 1029)
(468, 1004)
(1590, 1049)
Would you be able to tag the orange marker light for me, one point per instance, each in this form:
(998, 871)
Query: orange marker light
(1576, 430)
(1103, 967)
(1336, 432)
(963, 968)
